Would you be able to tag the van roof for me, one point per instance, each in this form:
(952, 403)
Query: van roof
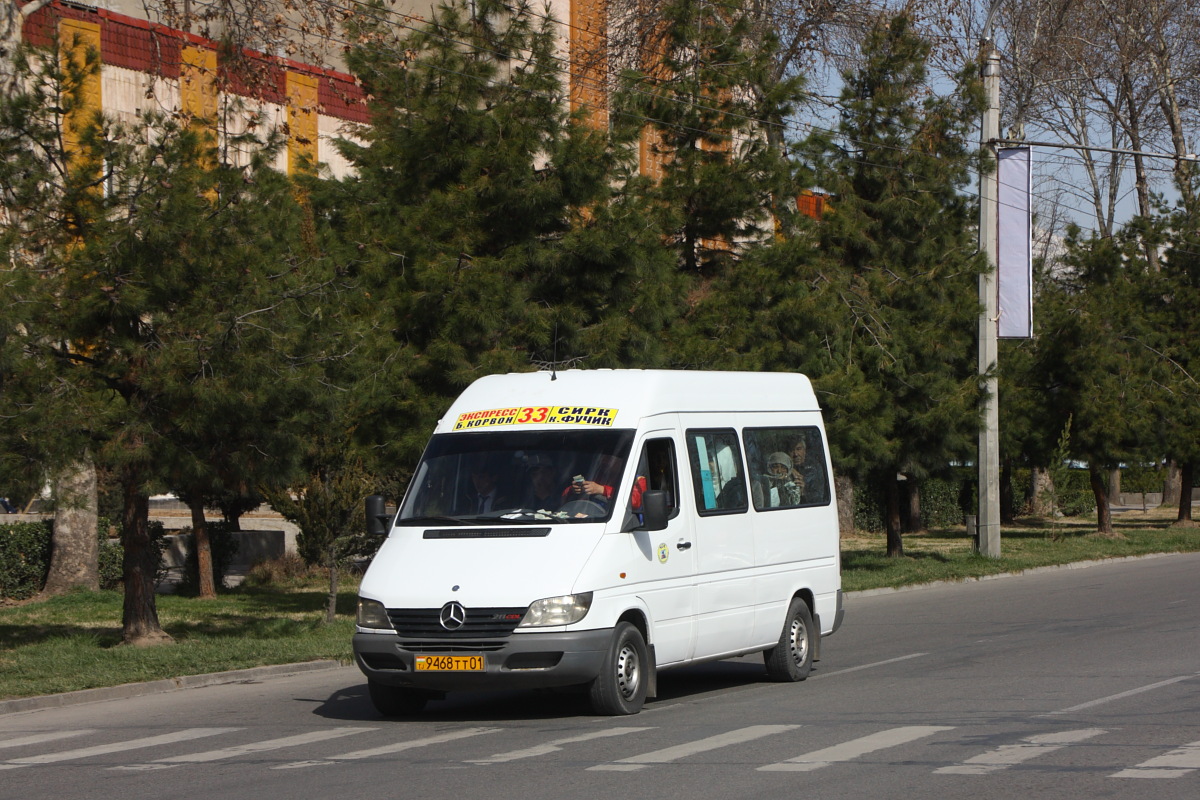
(619, 397)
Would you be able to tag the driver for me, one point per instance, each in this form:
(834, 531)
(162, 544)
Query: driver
(600, 489)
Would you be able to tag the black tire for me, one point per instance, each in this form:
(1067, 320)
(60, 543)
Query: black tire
(791, 659)
(620, 688)
(396, 701)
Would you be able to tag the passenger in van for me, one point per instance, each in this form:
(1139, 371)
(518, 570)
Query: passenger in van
(659, 476)
(600, 489)
(542, 491)
(733, 494)
(807, 474)
(777, 489)
(486, 497)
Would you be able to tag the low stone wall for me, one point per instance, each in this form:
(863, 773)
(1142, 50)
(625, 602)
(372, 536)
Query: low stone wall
(261, 538)
(1149, 499)
(253, 546)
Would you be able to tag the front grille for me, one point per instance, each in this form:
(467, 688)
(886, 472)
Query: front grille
(487, 533)
(482, 623)
(451, 646)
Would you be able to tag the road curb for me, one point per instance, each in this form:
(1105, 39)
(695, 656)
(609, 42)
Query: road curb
(1032, 571)
(166, 685)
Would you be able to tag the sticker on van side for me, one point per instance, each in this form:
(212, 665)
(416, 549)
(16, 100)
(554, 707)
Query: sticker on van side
(537, 415)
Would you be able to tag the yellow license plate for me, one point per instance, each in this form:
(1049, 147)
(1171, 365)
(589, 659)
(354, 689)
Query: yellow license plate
(450, 664)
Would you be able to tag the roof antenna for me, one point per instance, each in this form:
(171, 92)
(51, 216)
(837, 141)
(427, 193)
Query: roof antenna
(554, 357)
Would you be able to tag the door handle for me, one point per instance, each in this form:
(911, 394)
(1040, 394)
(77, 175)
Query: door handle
(682, 545)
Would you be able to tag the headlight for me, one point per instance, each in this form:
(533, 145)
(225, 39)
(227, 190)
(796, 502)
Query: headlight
(562, 610)
(372, 614)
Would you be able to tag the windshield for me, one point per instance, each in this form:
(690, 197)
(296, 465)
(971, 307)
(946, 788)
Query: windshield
(517, 476)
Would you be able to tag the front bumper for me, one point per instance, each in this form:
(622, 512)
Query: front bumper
(520, 661)
(839, 615)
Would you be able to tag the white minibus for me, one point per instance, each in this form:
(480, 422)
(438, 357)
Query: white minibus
(590, 528)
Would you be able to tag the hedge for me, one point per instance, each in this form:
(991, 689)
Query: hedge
(25, 549)
(945, 502)
(24, 558)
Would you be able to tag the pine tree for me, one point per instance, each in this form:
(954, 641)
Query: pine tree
(1173, 304)
(482, 222)
(154, 285)
(43, 197)
(709, 110)
(1090, 364)
(901, 392)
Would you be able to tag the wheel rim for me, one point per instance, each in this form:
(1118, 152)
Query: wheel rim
(798, 641)
(629, 672)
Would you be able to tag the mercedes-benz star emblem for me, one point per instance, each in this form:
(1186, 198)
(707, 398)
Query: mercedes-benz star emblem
(453, 616)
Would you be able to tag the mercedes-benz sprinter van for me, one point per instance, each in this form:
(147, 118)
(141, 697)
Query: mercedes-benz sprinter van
(593, 527)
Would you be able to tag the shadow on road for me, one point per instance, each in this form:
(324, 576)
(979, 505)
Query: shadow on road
(351, 704)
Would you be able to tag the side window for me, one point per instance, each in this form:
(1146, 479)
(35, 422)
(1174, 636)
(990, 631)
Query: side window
(787, 467)
(716, 465)
(656, 470)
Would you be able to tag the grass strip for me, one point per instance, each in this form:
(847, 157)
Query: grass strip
(72, 642)
(949, 555)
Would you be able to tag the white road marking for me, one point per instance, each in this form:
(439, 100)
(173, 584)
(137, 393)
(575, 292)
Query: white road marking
(867, 666)
(855, 748)
(38, 738)
(117, 747)
(1012, 754)
(555, 746)
(395, 747)
(1122, 695)
(669, 754)
(245, 749)
(1174, 764)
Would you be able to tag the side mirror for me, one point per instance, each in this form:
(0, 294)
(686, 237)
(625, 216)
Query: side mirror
(654, 511)
(377, 516)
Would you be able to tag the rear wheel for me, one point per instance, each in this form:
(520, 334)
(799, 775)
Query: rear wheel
(791, 659)
(620, 688)
(396, 701)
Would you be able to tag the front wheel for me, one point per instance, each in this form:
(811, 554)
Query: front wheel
(791, 659)
(620, 688)
(396, 701)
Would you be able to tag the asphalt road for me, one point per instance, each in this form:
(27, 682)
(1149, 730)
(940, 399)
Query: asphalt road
(1068, 683)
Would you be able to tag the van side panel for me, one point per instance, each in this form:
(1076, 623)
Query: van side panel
(650, 570)
(796, 549)
(724, 542)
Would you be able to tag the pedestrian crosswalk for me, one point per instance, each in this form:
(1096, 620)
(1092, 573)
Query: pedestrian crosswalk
(248, 748)
(676, 752)
(391, 748)
(1010, 755)
(632, 748)
(1174, 764)
(115, 747)
(856, 748)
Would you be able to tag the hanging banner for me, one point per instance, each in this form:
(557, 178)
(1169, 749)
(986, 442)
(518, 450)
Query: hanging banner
(1014, 226)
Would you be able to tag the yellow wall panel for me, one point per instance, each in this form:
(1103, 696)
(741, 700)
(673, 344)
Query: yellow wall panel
(198, 84)
(589, 60)
(302, 120)
(76, 38)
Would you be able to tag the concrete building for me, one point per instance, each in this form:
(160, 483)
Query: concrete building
(175, 56)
